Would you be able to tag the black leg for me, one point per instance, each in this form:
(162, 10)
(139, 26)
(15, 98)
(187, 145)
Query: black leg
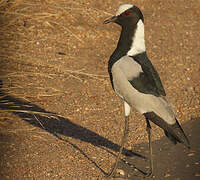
(126, 129)
(150, 149)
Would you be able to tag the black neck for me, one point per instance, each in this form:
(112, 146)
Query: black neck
(126, 39)
(124, 43)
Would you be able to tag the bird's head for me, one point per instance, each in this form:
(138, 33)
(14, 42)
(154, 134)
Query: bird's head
(126, 15)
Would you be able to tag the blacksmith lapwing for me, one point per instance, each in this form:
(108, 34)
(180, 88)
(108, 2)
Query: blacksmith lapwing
(136, 81)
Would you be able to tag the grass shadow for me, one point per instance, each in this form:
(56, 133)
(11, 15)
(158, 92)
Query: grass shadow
(57, 125)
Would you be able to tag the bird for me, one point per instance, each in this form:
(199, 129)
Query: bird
(136, 81)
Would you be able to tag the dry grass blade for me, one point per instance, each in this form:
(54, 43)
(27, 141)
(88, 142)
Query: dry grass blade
(38, 121)
(14, 4)
(17, 130)
(87, 74)
(79, 39)
(3, 3)
(51, 75)
(22, 74)
(39, 137)
(47, 114)
(83, 9)
(32, 16)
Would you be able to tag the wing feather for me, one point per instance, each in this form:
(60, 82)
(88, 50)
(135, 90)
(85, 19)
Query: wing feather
(148, 81)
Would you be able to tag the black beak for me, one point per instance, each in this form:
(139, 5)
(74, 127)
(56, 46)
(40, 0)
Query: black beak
(112, 19)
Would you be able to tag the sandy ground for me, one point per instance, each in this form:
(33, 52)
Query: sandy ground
(59, 117)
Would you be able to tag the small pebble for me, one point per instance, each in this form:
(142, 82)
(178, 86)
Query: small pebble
(190, 88)
(120, 171)
(190, 154)
(61, 53)
(197, 174)
(167, 175)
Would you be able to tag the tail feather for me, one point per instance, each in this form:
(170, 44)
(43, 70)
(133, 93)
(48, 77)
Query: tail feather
(174, 132)
(173, 139)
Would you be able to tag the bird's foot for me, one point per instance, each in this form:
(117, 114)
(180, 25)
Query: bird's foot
(119, 173)
(149, 174)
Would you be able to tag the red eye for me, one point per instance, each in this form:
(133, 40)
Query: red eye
(127, 13)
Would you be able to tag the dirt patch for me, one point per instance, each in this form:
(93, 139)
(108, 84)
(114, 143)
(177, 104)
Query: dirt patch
(60, 118)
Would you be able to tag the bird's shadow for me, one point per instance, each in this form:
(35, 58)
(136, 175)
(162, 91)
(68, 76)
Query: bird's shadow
(57, 125)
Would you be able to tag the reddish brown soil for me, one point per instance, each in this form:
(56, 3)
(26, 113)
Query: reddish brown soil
(60, 118)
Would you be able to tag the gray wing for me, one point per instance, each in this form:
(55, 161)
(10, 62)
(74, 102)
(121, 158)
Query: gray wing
(141, 74)
(148, 81)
